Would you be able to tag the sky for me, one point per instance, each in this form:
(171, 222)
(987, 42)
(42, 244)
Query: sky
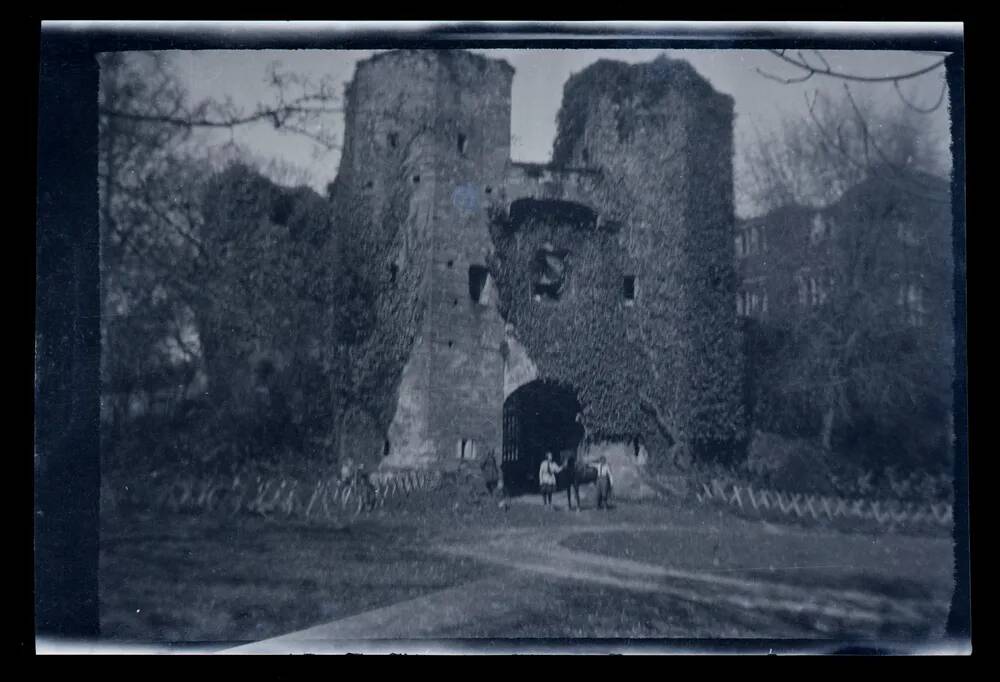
(760, 104)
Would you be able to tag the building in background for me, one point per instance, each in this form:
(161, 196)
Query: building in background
(887, 239)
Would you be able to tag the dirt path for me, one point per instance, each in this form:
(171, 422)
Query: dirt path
(538, 552)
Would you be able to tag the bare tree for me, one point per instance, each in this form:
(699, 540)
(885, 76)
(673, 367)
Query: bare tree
(854, 349)
(842, 141)
(863, 145)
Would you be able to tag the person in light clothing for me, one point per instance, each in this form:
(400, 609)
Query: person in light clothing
(604, 483)
(547, 478)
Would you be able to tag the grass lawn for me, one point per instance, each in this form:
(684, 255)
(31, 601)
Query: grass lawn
(891, 565)
(183, 578)
(187, 578)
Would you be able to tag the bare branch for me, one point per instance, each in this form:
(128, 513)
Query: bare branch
(923, 110)
(810, 70)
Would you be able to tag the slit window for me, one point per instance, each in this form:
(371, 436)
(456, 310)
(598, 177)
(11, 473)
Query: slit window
(478, 277)
(462, 143)
(629, 289)
(386, 448)
(393, 272)
(393, 140)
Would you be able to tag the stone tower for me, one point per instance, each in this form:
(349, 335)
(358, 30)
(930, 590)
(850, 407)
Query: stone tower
(438, 123)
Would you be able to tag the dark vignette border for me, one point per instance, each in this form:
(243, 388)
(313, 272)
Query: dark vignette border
(67, 333)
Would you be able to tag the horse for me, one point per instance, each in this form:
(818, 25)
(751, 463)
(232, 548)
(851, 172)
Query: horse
(576, 472)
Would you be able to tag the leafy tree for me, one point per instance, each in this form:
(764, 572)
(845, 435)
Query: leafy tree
(160, 282)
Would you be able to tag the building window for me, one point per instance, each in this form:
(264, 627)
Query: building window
(478, 278)
(906, 233)
(393, 139)
(393, 272)
(465, 448)
(812, 290)
(385, 448)
(817, 232)
(911, 297)
(629, 289)
(461, 143)
(803, 289)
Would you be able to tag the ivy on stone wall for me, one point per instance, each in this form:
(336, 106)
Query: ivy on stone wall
(582, 339)
(661, 139)
(382, 280)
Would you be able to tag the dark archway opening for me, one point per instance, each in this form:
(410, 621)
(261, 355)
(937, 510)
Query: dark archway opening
(539, 417)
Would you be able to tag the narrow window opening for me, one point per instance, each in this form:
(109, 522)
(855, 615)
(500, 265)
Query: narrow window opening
(393, 272)
(416, 179)
(478, 277)
(465, 448)
(393, 140)
(586, 155)
(461, 143)
(451, 263)
(450, 344)
(386, 448)
(489, 190)
(629, 289)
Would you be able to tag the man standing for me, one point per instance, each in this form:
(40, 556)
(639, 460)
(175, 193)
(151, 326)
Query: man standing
(491, 473)
(604, 483)
(569, 458)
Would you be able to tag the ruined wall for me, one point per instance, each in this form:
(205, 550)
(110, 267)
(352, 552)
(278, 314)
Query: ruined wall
(580, 339)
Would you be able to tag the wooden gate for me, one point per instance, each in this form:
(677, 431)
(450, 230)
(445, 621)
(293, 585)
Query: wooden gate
(510, 432)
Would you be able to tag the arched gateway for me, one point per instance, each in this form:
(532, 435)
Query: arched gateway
(538, 417)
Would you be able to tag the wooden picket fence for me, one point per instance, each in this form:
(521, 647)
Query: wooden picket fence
(761, 501)
(328, 499)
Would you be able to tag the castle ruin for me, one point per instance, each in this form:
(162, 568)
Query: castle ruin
(589, 296)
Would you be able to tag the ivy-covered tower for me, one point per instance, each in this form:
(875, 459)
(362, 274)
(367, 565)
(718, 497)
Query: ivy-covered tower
(662, 139)
(596, 291)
